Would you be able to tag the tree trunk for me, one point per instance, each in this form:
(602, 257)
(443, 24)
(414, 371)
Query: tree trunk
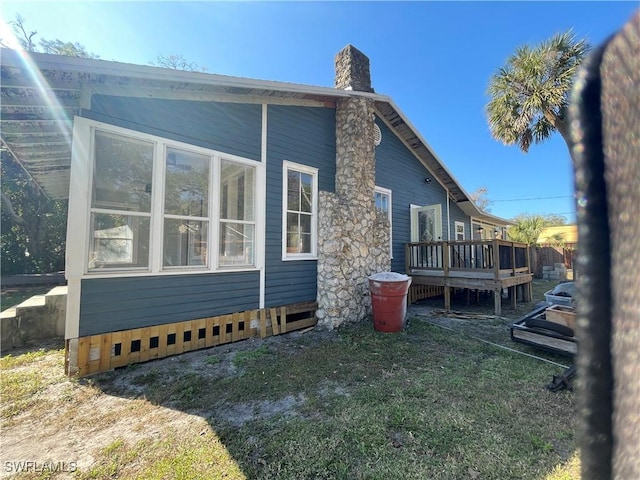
(562, 126)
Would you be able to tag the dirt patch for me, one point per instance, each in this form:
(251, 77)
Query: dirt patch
(71, 420)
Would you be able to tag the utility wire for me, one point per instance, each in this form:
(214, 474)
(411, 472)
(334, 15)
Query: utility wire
(532, 198)
(513, 350)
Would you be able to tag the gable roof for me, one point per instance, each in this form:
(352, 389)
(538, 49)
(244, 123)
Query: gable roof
(42, 93)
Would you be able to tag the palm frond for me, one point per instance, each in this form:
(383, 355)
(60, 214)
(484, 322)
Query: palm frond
(532, 87)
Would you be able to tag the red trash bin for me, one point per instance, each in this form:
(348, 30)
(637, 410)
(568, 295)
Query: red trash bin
(389, 300)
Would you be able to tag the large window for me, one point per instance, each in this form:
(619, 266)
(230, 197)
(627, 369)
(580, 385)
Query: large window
(186, 207)
(121, 202)
(158, 205)
(300, 198)
(382, 197)
(237, 217)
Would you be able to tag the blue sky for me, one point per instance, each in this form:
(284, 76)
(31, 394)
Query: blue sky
(434, 59)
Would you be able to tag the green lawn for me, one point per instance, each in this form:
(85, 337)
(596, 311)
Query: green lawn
(427, 403)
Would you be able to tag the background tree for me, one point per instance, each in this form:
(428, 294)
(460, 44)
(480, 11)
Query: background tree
(69, 49)
(177, 62)
(480, 199)
(527, 228)
(530, 94)
(33, 229)
(25, 38)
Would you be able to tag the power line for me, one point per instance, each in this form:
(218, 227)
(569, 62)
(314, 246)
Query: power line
(532, 198)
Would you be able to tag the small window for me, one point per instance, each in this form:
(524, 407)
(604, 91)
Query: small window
(382, 198)
(459, 231)
(300, 193)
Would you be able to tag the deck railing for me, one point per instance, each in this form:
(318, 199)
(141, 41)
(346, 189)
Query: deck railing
(499, 257)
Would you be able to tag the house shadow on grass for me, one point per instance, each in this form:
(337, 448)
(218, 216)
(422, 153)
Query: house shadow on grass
(353, 403)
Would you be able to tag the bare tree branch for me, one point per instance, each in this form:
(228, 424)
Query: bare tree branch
(8, 208)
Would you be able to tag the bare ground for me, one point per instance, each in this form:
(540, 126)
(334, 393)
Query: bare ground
(74, 420)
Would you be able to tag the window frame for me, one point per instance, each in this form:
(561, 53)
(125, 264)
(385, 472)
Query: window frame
(305, 169)
(457, 224)
(87, 129)
(208, 220)
(387, 192)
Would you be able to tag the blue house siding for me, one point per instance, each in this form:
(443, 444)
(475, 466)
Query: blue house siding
(400, 171)
(227, 127)
(112, 304)
(304, 135)
(457, 215)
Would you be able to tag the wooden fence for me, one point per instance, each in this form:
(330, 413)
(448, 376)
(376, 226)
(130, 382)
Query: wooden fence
(548, 256)
(104, 352)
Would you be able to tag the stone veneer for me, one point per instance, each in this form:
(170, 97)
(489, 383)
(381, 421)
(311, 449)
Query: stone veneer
(353, 237)
(352, 70)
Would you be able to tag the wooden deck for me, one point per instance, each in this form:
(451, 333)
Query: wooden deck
(489, 265)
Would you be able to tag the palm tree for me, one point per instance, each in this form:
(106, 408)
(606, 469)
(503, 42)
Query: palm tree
(527, 228)
(530, 94)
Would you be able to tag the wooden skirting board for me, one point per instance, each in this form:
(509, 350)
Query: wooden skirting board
(104, 352)
(419, 292)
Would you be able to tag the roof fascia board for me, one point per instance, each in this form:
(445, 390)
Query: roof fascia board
(197, 95)
(404, 118)
(413, 152)
(427, 146)
(13, 58)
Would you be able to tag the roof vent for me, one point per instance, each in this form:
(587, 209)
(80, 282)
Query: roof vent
(377, 135)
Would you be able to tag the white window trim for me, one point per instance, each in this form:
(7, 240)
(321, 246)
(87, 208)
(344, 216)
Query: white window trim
(387, 192)
(455, 230)
(80, 206)
(287, 165)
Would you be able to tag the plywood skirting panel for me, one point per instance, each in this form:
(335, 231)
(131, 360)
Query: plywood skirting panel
(103, 352)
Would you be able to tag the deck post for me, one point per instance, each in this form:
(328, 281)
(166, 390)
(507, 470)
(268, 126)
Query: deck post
(445, 258)
(497, 300)
(447, 298)
(514, 293)
(496, 259)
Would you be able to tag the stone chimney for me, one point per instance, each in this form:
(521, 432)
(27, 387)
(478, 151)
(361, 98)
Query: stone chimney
(352, 70)
(353, 238)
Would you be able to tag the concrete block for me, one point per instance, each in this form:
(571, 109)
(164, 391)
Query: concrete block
(39, 317)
